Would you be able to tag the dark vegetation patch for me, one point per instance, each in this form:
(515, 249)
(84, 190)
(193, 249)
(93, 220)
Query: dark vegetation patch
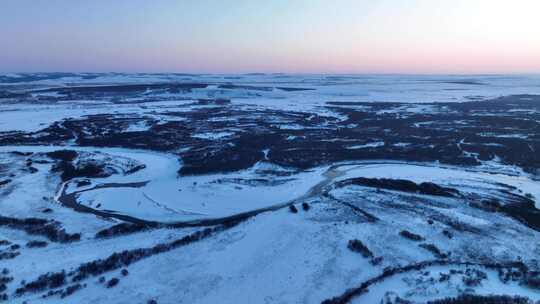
(36, 244)
(50, 229)
(453, 133)
(121, 229)
(69, 171)
(5, 182)
(64, 155)
(45, 281)
(112, 282)
(478, 299)
(10, 95)
(400, 185)
(83, 183)
(411, 236)
(489, 205)
(112, 90)
(294, 89)
(448, 234)
(434, 250)
(72, 289)
(357, 246)
(8, 254)
(473, 277)
(244, 87)
(5, 279)
(293, 209)
(525, 212)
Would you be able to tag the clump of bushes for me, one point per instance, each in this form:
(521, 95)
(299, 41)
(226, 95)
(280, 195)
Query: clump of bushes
(69, 171)
(411, 236)
(36, 244)
(293, 209)
(473, 277)
(305, 206)
(83, 183)
(71, 290)
(112, 282)
(436, 251)
(448, 234)
(120, 229)
(510, 274)
(124, 272)
(357, 246)
(7, 255)
(401, 185)
(48, 280)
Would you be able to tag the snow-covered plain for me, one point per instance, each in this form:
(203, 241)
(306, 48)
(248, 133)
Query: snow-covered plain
(275, 227)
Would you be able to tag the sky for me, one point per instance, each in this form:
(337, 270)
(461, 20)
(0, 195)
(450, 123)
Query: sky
(295, 36)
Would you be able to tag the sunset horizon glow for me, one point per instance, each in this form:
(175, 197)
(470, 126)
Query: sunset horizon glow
(304, 37)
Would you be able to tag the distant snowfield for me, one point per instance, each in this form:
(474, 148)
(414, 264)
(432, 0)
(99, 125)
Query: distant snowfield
(322, 89)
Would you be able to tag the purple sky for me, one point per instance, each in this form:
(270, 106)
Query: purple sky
(303, 36)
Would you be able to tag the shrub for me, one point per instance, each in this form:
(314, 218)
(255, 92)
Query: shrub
(411, 236)
(358, 246)
(36, 244)
(48, 280)
(433, 249)
(71, 289)
(448, 234)
(112, 282)
(293, 209)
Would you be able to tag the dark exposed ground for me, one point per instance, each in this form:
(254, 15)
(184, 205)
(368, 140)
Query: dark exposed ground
(507, 128)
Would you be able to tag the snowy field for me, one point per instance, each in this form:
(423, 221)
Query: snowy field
(268, 188)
